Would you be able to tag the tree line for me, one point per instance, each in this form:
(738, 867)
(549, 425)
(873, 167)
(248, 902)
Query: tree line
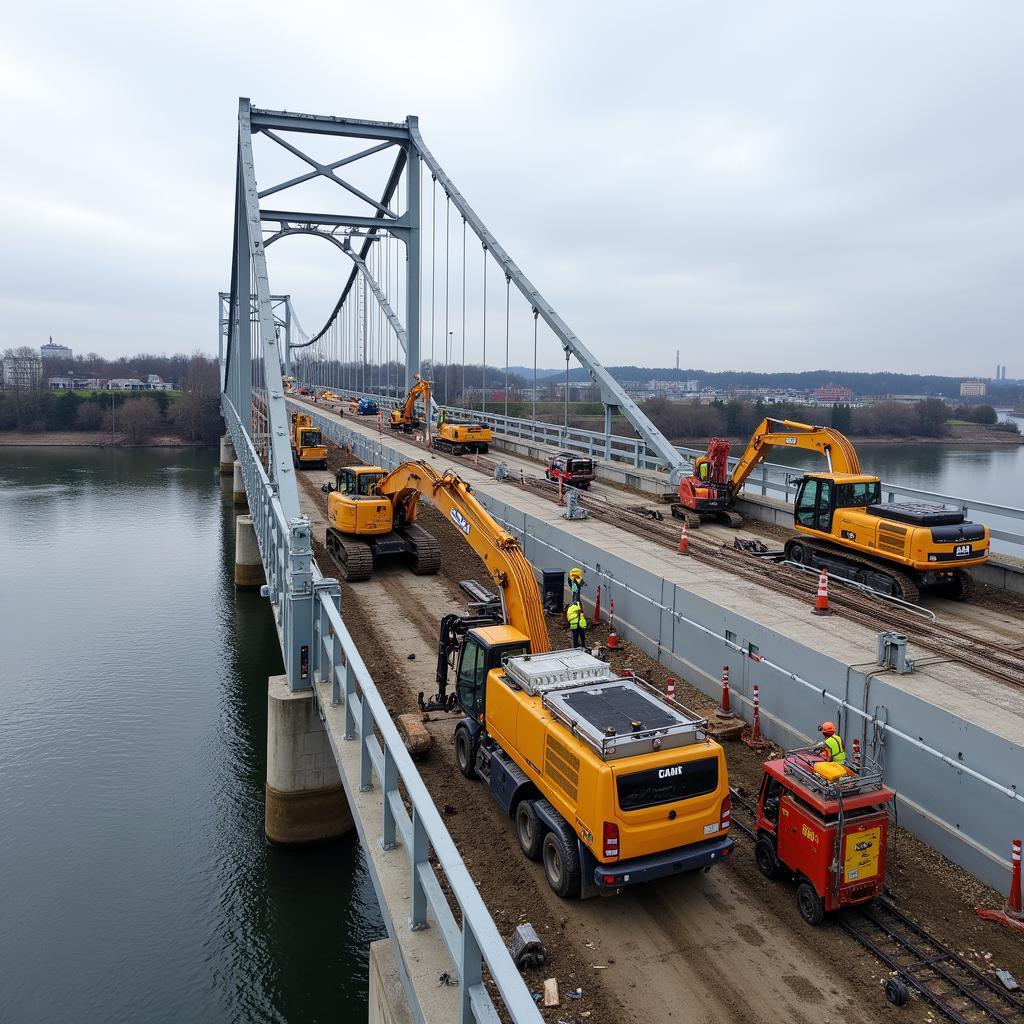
(929, 417)
(193, 414)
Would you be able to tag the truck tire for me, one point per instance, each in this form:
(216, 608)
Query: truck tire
(896, 992)
(465, 754)
(561, 865)
(764, 854)
(809, 903)
(529, 830)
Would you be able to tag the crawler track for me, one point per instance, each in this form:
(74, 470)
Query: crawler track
(945, 979)
(945, 641)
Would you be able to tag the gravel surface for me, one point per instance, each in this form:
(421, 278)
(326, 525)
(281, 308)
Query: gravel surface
(728, 946)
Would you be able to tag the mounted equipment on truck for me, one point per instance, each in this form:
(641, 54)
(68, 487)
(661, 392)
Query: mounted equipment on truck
(610, 782)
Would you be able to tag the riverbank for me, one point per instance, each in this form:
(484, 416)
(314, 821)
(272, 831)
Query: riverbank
(959, 437)
(89, 439)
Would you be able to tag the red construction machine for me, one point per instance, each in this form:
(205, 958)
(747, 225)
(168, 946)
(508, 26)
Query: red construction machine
(708, 493)
(825, 825)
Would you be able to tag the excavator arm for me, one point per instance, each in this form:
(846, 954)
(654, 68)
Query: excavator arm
(421, 387)
(838, 451)
(499, 550)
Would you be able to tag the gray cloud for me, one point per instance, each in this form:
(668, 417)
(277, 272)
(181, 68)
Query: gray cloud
(766, 186)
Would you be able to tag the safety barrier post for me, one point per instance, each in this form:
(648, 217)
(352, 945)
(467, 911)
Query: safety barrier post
(417, 856)
(387, 839)
(597, 606)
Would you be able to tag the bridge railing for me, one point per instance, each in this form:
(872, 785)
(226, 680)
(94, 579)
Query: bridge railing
(305, 606)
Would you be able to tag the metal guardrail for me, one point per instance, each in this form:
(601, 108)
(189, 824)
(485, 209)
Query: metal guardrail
(305, 605)
(773, 479)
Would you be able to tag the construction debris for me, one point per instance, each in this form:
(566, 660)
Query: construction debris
(550, 991)
(526, 948)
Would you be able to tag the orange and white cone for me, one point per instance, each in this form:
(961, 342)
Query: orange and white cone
(821, 601)
(683, 544)
(670, 689)
(1012, 915)
(725, 711)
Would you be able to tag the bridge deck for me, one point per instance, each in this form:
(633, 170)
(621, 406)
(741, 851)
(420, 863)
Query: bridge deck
(970, 695)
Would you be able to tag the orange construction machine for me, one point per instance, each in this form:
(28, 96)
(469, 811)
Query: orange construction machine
(824, 824)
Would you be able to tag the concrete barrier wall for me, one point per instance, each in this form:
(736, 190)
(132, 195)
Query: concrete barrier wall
(967, 820)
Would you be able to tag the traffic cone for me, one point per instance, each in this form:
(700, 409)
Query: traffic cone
(597, 606)
(683, 545)
(613, 637)
(724, 711)
(821, 601)
(613, 641)
(753, 737)
(670, 689)
(1012, 915)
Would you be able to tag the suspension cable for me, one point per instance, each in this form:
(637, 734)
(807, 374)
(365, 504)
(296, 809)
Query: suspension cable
(447, 244)
(463, 311)
(508, 294)
(535, 364)
(483, 387)
(433, 275)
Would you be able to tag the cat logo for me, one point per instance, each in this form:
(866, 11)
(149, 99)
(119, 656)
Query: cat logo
(460, 521)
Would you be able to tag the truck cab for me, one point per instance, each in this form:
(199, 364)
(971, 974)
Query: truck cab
(609, 782)
(573, 470)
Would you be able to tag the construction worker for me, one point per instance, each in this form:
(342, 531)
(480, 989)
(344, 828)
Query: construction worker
(576, 584)
(577, 624)
(833, 748)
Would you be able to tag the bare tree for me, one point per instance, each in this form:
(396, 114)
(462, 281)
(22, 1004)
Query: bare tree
(139, 419)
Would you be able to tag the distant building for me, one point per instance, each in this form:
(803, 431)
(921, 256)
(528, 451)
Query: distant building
(22, 371)
(127, 384)
(829, 394)
(973, 389)
(67, 383)
(51, 351)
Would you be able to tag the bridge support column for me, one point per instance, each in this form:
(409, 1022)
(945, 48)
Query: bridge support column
(305, 801)
(238, 486)
(227, 454)
(248, 565)
(388, 1001)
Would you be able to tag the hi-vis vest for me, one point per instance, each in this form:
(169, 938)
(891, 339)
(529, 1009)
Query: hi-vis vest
(837, 752)
(577, 620)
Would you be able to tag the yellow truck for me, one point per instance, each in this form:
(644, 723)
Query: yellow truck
(609, 782)
(308, 448)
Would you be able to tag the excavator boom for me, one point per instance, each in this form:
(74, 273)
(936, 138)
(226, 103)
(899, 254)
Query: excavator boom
(834, 446)
(499, 550)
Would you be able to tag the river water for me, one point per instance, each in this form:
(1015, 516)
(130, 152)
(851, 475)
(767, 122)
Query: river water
(136, 881)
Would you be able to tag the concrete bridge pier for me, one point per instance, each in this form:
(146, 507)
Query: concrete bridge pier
(227, 455)
(249, 572)
(305, 801)
(238, 487)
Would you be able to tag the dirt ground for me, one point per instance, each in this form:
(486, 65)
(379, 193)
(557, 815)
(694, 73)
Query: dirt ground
(725, 946)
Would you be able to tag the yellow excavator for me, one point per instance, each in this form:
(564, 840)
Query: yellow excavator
(609, 783)
(844, 526)
(406, 419)
(461, 438)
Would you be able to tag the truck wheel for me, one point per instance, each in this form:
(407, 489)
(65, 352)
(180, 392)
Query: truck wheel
(764, 854)
(464, 756)
(896, 992)
(529, 830)
(561, 865)
(808, 902)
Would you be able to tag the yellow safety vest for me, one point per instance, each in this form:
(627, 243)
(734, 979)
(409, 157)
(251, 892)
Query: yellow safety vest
(836, 749)
(577, 620)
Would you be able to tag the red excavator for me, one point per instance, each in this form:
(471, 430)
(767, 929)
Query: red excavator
(708, 493)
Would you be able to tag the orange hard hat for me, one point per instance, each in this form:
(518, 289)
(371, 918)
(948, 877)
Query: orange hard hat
(828, 728)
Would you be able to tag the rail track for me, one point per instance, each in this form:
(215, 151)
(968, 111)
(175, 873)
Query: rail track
(921, 962)
(947, 642)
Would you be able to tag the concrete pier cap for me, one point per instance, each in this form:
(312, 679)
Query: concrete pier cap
(238, 495)
(249, 572)
(305, 800)
(227, 454)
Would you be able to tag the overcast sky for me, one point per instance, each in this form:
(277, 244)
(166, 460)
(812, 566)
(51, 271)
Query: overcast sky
(760, 185)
